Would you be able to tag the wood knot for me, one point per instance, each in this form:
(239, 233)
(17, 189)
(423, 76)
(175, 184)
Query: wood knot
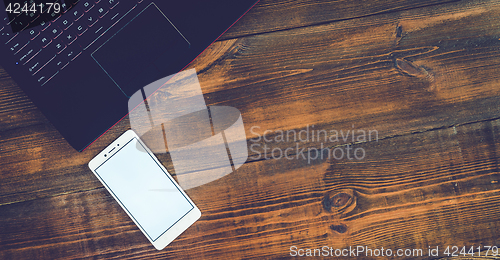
(339, 228)
(410, 69)
(339, 200)
(399, 31)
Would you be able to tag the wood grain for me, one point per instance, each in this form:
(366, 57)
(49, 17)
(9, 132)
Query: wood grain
(270, 16)
(423, 74)
(436, 188)
(397, 73)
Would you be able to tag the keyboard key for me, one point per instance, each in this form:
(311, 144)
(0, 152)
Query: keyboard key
(87, 5)
(114, 17)
(72, 52)
(68, 37)
(76, 14)
(28, 53)
(59, 47)
(112, 3)
(97, 31)
(80, 28)
(61, 61)
(9, 37)
(17, 46)
(6, 36)
(9, 21)
(33, 66)
(102, 11)
(33, 33)
(91, 19)
(33, 15)
(44, 79)
(65, 23)
(44, 25)
(65, 7)
(43, 40)
(54, 32)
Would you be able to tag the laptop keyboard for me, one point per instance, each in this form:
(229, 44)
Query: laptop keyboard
(47, 49)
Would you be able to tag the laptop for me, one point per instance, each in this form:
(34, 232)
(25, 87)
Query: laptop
(81, 65)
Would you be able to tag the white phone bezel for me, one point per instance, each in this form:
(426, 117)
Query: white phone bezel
(178, 227)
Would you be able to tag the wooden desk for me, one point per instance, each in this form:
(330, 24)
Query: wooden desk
(424, 74)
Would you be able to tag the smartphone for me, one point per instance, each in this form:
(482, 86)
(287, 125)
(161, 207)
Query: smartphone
(144, 189)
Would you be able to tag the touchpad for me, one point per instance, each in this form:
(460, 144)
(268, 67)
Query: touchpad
(128, 56)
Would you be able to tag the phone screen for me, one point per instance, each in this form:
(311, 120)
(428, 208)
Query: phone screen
(144, 189)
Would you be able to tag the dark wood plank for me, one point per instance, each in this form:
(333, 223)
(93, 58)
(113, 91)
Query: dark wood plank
(16, 110)
(397, 73)
(37, 162)
(436, 188)
(269, 16)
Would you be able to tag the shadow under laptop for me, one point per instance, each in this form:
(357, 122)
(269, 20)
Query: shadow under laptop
(198, 144)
